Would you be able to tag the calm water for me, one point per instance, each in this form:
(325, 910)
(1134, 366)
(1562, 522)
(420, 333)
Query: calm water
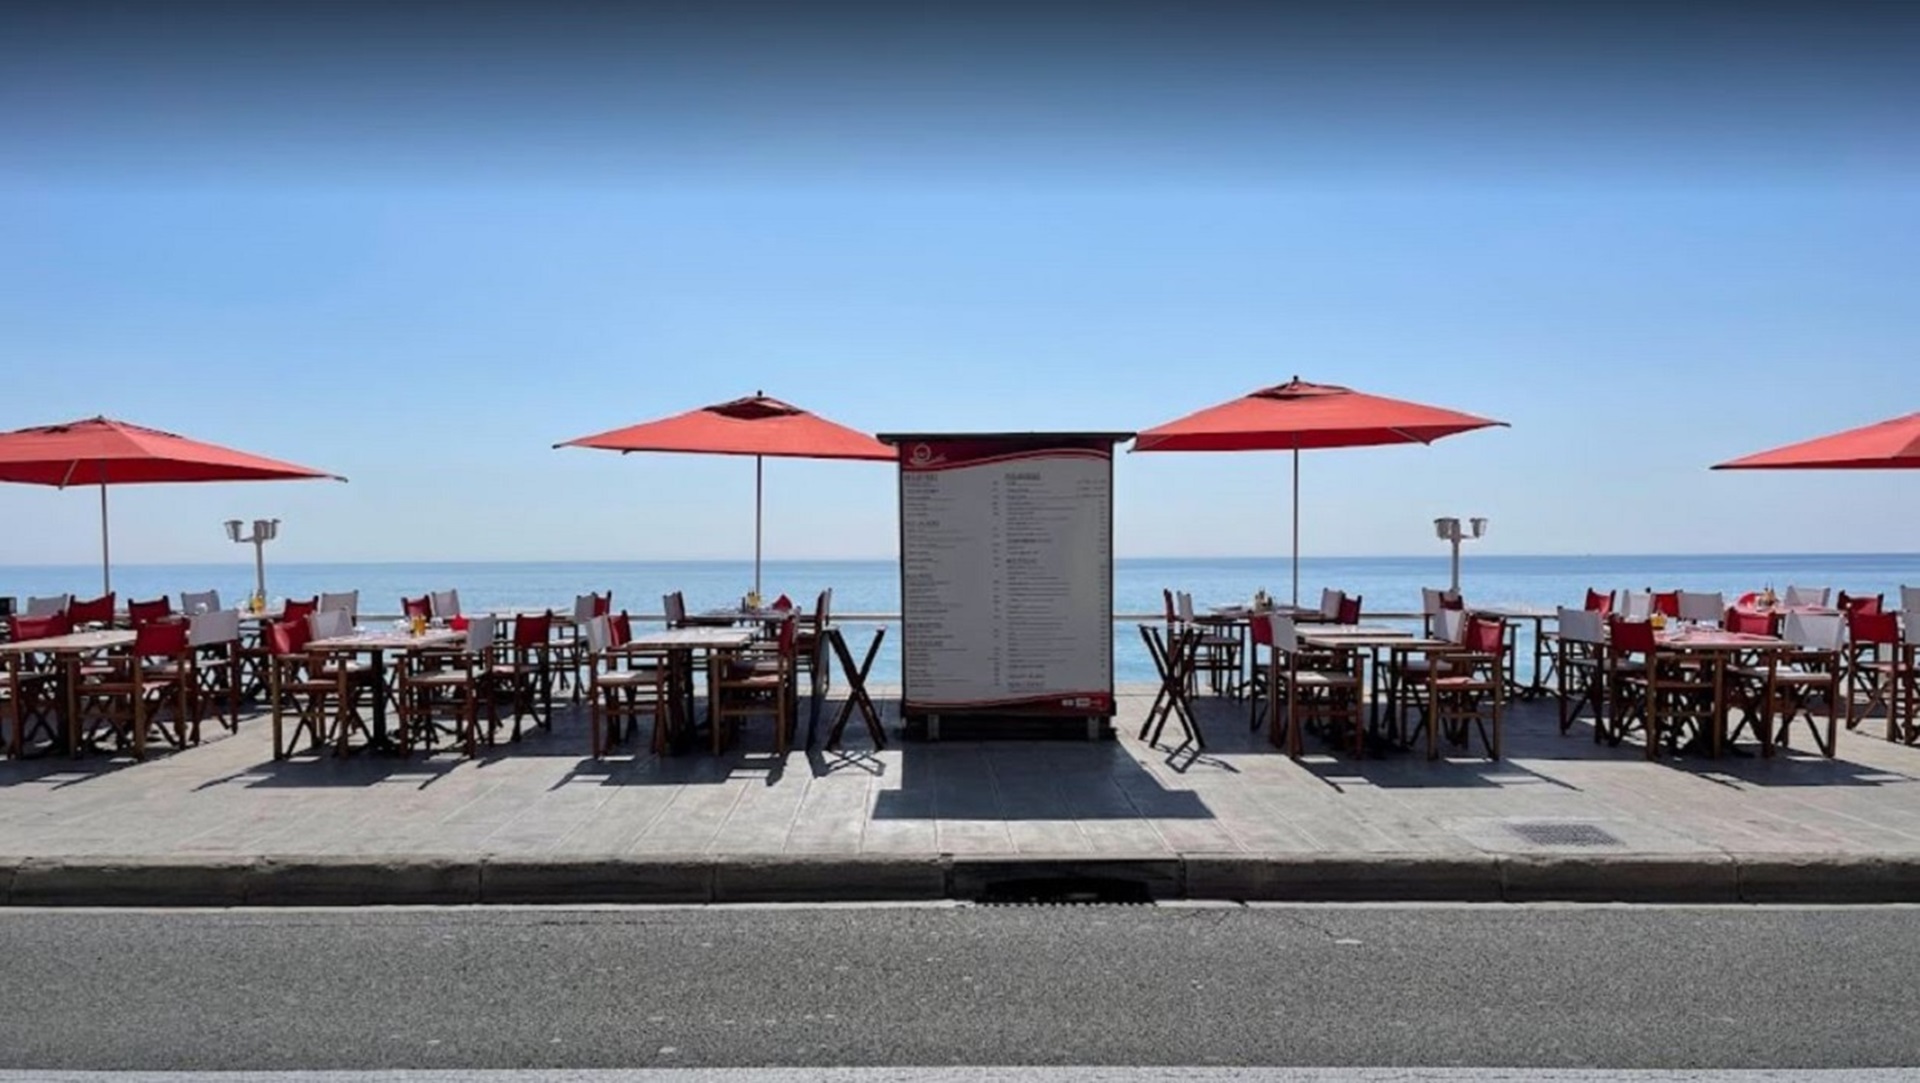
(1386, 583)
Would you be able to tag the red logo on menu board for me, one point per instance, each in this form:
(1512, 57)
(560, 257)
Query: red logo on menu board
(922, 455)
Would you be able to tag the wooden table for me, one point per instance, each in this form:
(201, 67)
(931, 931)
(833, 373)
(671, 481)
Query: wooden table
(68, 649)
(1359, 637)
(679, 644)
(1717, 646)
(376, 645)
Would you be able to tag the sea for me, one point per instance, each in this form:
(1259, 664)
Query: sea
(872, 587)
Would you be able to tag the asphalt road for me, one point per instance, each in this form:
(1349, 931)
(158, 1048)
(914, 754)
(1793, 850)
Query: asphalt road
(1395, 986)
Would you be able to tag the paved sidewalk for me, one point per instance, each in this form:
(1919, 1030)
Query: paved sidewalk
(1560, 818)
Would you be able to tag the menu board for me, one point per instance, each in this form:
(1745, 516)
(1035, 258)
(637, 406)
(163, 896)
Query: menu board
(1006, 554)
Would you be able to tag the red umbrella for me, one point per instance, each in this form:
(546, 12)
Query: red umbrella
(756, 425)
(101, 451)
(1298, 416)
(1887, 445)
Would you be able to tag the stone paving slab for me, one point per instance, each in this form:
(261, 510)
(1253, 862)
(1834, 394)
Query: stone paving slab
(1560, 817)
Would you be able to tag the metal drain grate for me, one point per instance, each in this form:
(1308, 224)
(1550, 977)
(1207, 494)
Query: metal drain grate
(1066, 891)
(1565, 834)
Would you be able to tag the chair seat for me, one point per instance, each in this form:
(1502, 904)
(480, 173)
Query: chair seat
(442, 678)
(307, 686)
(754, 682)
(1314, 678)
(1420, 668)
(626, 678)
(1785, 673)
(1465, 684)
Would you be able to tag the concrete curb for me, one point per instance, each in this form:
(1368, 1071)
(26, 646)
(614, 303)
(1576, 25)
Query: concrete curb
(1344, 878)
(341, 880)
(827, 878)
(136, 881)
(1625, 878)
(667, 879)
(1828, 878)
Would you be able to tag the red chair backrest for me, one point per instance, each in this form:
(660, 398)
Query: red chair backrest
(417, 607)
(530, 631)
(1598, 602)
(297, 610)
(620, 628)
(1867, 604)
(1630, 636)
(1753, 624)
(160, 637)
(1262, 629)
(1166, 598)
(1350, 609)
(25, 628)
(92, 611)
(1452, 601)
(786, 635)
(286, 637)
(1667, 602)
(1486, 636)
(140, 613)
(603, 604)
(1873, 627)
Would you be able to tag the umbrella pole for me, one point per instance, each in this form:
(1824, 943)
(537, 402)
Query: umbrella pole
(1296, 525)
(106, 563)
(759, 468)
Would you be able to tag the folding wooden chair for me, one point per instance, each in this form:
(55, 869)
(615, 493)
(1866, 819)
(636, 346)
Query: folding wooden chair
(1172, 656)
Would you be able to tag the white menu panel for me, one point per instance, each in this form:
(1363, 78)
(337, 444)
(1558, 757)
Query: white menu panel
(1007, 575)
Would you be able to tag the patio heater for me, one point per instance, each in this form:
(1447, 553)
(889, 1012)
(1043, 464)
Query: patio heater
(264, 531)
(1449, 530)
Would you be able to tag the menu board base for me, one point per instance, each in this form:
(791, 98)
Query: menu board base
(1006, 726)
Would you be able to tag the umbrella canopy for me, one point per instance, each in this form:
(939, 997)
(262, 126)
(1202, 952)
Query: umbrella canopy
(1887, 445)
(101, 451)
(755, 425)
(1299, 416)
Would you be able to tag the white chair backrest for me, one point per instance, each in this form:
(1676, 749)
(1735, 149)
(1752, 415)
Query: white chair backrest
(213, 626)
(1184, 603)
(1635, 605)
(446, 603)
(1582, 626)
(599, 634)
(583, 609)
(328, 623)
(1910, 628)
(1330, 603)
(205, 601)
(480, 633)
(47, 607)
(1450, 625)
(1910, 602)
(1286, 637)
(1815, 631)
(1702, 608)
(347, 602)
(1432, 601)
(1808, 595)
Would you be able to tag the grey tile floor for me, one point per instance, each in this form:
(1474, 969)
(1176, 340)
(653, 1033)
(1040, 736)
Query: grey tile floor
(544, 796)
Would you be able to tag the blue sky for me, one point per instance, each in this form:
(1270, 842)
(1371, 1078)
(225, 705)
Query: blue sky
(420, 254)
